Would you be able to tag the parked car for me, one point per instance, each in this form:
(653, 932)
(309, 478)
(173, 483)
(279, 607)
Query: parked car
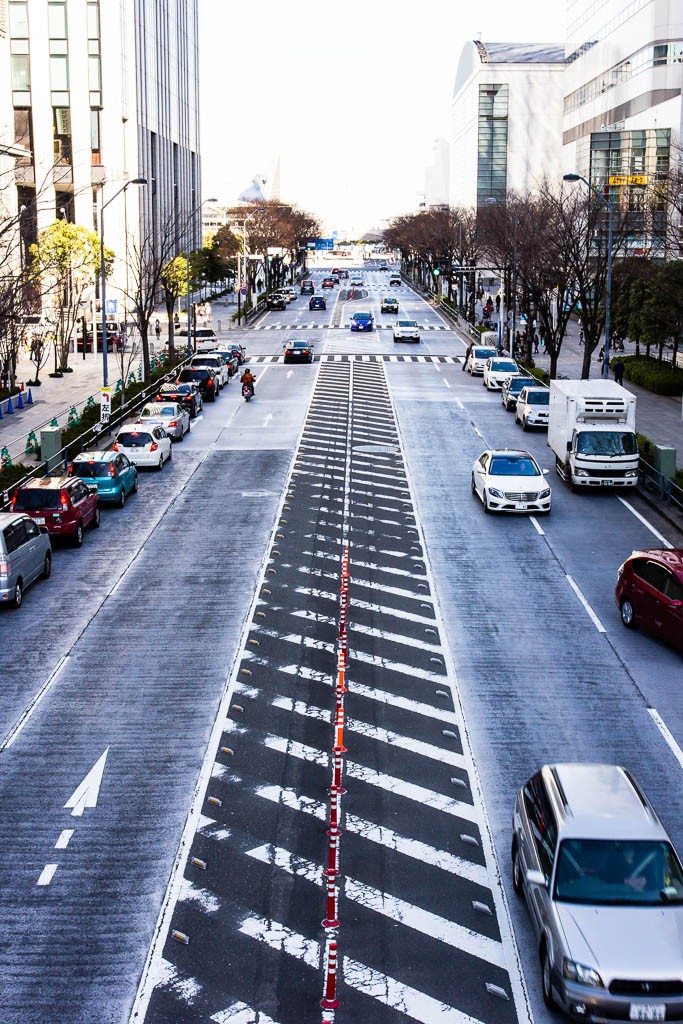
(65, 505)
(148, 446)
(276, 301)
(533, 407)
(111, 472)
(317, 302)
(186, 394)
(388, 305)
(510, 481)
(328, 282)
(214, 361)
(172, 416)
(649, 593)
(497, 370)
(406, 330)
(603, 886)
(511, 388)
(25, 554)
(362, 321)
(231, 360)
(205, 339)
(476, 360)
(238, 350)
(289, 292)
(203, 378)
(307, 288)
(298, 352)
(116, 335)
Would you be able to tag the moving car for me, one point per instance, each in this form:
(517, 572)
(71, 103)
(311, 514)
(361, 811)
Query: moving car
(317, 302)
(307, 288)
(649, 593)
(604, 889)
(239, 351)
(111, 472)
(406, 330)
(388, 305)
(289, 292)
(476, 360)
(511, 388)
(344, 274)
(115, 336)
(362, 321)
(496, 370)
(203, 378)
(170, 415)
(276, 301)
(395, 280)
(25, 554)
(510, 481)
(356, 282)
(186, 394)
(64, 504)
(329, 282)
(533, 407)
(298, 352)
(148, 446)
(231, 361)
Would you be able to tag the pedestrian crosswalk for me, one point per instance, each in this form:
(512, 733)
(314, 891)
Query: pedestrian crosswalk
(315, 325)
(328, 357)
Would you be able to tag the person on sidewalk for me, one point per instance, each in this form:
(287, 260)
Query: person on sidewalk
(619, 372)
(157, 328)
(581, 338)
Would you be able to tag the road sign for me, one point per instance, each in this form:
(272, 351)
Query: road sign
(111, 305)
(105, 404)
(243, 291)
(324, 243)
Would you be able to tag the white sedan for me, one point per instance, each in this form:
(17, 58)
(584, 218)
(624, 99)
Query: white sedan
(406, 330)
(145, 445)
(509, 480)
(497, 370)
(172, 417)
(476, 357)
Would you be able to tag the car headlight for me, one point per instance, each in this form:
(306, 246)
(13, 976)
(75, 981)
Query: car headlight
(631, 472)
(495, 493)
(582, 472)
(545, 493)
(584, 975)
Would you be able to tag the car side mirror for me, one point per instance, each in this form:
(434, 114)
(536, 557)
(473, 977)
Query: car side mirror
(43, 529)
(536, 878)
(569, 446)
(545, 472)
(675, 603)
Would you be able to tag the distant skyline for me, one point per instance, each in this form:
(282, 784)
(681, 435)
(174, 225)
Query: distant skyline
(351, 106)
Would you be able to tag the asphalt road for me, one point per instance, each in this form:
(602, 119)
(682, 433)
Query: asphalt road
(202, 619)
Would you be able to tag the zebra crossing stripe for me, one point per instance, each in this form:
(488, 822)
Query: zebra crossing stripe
(353, 357)
(241, 1013)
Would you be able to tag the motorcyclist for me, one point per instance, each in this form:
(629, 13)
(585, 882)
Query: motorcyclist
(249, 379)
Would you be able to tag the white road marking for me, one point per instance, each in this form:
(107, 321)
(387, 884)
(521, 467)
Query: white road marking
(87, 792)
(282, 939)
(47, 874)
(28, 712)
(397, 666)
(360, 630)
(666, 734)
(369, 606)
(537, 526)
(446, 382)
(240, 1013)
(644, 521)
(593, 617)
(396, 701)
(64, 838)
(300, 750)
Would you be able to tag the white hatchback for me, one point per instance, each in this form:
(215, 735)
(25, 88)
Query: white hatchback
(497, 370)
(172, 417)
(406, 330)
(533, 407)
(510, 481)
(476, 360)
(145, 445)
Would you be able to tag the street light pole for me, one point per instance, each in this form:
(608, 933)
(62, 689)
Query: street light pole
(188, 304)
(103, 285)
(608, 287)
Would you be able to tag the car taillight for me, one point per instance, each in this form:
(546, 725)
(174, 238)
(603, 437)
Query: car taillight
(115, 446)
(14, 502)
(71, 470)
(4, 568)
(112, 470)
(153, 446)
(173, 423)
(209, 383)
(64, 501)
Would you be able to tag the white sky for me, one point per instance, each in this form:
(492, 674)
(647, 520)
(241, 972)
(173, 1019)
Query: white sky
(350, 96)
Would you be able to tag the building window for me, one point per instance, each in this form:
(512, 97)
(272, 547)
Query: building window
(18, 20)
(492, 144)
(95, 135)
(61, 119)
(660, 54)
(21, 72)
(59, 74)
(94, 73)
(93, 15)
(56, 21)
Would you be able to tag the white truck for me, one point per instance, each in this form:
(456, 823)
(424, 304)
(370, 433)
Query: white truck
(592, 433)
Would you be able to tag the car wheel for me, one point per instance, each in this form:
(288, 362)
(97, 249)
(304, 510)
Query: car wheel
(473, 486)
(627, 614)
(546, 980)
(525, 425)
(485, 502)
(96, 519)
(135, 485)
(160, 465)
(170, 454)
(516, 418)
(18, 594)
(122, 497)
(78, 536)
(516, 872)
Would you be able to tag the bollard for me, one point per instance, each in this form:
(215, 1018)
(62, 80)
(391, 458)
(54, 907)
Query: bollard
(331, 871)
(20, 400)
(331, 920)
(29, 400)
(9, 409)
(335, 813)
(336, 786)
(329, 1000)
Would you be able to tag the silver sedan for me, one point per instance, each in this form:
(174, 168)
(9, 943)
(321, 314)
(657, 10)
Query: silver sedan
(170, 415)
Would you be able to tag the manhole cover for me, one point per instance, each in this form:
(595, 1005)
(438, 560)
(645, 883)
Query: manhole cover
(389, 449)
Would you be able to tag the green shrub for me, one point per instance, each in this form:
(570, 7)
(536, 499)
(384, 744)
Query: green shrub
(10, 475)
(661, 378)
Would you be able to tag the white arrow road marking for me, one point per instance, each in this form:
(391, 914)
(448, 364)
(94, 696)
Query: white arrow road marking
(86, 794)
(241, 1013)
(267, 420)
(290, 373)
(46, 874)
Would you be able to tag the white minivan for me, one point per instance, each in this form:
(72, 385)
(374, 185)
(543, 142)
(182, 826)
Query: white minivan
(205, 339)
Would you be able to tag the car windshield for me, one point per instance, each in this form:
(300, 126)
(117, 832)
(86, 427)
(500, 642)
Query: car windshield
(33, 499)
(90, 470)
(503, 364)
(618, 872)
(513, 465)
(538, 398)
(407, 323)
(134, 439)
(194, 374)
(298, 344)
(484, 353)
(516, 384)
(361, 316)
(606, 442)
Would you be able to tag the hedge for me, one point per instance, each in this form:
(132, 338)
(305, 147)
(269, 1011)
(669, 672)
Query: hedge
(645, 448)
(661, 378)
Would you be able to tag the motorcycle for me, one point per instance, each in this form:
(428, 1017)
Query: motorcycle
(247, 392)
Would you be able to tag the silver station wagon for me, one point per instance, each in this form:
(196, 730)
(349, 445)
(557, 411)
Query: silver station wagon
(604, 888)
(25, 554)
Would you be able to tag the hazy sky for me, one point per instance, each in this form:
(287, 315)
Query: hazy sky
(350, 96)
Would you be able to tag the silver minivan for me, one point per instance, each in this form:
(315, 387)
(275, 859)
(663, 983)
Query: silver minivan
(604, 889)
(25, 554)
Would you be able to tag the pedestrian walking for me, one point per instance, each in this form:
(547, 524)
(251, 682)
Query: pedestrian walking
(535, 342)
(157, 328)
(581, 337)
(619, 371)
(498, 303)
(176, 320)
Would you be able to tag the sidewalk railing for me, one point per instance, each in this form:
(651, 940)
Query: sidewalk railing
(653, 481)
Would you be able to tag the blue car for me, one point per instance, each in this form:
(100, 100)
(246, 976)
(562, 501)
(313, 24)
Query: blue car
(362, 322)
(113, 474)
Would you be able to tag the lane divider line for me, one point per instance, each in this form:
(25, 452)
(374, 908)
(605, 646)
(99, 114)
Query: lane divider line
(666, 735)
(591, 614)
(645, 523)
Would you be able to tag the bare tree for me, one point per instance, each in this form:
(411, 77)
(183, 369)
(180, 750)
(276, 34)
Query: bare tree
(148, 255)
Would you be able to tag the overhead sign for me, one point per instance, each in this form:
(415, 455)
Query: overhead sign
(627, 179)
(105, 405)
(324, 243)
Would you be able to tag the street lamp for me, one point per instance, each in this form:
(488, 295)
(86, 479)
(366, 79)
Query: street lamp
(105, 369)
(190, 338)
(608, 297)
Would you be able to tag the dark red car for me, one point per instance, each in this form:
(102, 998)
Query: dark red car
(649, 593)
(328, 282)
(64, 504)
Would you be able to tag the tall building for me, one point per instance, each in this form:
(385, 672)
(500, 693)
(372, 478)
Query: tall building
(506, 115)
(622, 106)
(437, 175)
(103, 91)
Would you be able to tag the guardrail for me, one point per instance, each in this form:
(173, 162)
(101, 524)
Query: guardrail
(650, 479)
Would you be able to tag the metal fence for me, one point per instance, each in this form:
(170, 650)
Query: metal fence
(650, 479)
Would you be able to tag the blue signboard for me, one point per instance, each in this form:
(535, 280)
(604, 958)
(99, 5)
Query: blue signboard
(324, 243)
(111, 305)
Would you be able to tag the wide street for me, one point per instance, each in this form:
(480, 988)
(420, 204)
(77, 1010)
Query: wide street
(167, 724)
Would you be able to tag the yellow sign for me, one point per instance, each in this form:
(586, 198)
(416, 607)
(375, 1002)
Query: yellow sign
(624, 179)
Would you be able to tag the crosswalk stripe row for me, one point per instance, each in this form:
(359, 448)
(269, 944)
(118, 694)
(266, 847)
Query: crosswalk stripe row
(327, 357)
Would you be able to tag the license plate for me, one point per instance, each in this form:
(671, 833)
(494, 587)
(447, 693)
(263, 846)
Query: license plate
(39, 520)
(647, 1011)
(608, 483)
(522, 504)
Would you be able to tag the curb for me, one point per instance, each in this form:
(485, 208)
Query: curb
(661, 509)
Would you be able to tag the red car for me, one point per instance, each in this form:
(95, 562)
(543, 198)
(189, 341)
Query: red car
(328, 282)
(649, 593)
(64, 504)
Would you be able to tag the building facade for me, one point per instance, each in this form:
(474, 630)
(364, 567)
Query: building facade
(103, 91)
(506, 114)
